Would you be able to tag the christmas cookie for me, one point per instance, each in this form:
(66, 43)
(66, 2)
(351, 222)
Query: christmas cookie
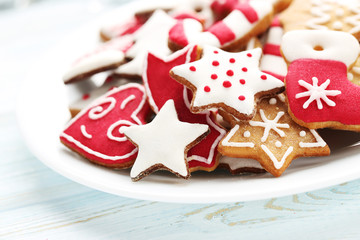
(94, 132)
(339, 15)
(319, 93)
(152, 36)
(272, 62)
(160, 87)
(245, 21)
(229, 81)
(163, 143)
(107, 56)
(272, 138)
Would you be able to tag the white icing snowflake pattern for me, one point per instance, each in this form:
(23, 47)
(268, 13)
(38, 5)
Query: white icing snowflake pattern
(317, 93)
(268, 124)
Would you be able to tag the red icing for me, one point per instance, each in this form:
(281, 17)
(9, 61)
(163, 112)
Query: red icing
(272, 49)
(207, 89)
(177, 34)
(263, 77)
(98, 127)
(215, 63)
(232, 60)
(162, 87)
(222, 8)
(242, 81)
(85, 96)
(182, 16)
(276, 22)
(230, 73)
(222, 32)
(249, 55)
(244, 69)
(227, 84)
(216, 52)
(248, 12)
(214, 76)
(192, 68)
(129, 27)
(241, 98)
(347, 109)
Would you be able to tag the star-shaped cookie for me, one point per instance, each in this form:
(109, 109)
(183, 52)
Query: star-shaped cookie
(163, 143)
(229, 81)
(272, 138)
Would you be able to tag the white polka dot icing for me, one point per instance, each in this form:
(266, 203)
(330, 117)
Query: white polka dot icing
(232, 79)
(247, 134)
(278, 144)
(302, 134)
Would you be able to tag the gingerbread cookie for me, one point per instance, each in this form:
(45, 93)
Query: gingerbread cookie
(339, 15)
(107, 56)
(272, 62)
(163, 143)
(152, 36)
(272, 138)
(94, 132)
(318, 90)
(229, 81)
(160, 87)
(245, 21)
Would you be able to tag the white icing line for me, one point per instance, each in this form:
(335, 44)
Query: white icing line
(126, 101)
(97, 154)
(319, 141)
(84, 132)
(226, 140)
(99, 112)
(113, 126)
(277, 164)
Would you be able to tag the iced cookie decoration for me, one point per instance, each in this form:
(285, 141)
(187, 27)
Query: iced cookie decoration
(272, 62)
(94, 133)
(160, 87)
(240, 165)
(163, 143)
(319, 93)
(339, 15)
(107, 56)
(229, 81)
(88, 97)
(272, 138)
(245, 21)
(152, 36)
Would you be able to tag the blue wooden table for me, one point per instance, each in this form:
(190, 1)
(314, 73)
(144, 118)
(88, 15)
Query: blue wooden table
(38, 203)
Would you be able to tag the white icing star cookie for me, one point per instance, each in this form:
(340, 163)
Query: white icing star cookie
(229, 81)
(272, 138)
(163, 143)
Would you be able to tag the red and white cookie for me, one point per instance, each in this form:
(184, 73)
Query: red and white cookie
(240, 165)
(94, 132)
(318, 90)
(229, 81)
(160, 87)
(272, 61)
(152, 36)
(163, 143)
(107, 56)
(245, 21)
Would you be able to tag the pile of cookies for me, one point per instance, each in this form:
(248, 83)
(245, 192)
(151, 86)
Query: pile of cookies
(201, 84)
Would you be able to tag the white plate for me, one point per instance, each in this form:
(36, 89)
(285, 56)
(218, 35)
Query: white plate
(42, 113)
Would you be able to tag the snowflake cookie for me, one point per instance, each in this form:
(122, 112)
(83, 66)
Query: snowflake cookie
(318, 89)
(163, 143)
(272, 138)
(229, 81)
